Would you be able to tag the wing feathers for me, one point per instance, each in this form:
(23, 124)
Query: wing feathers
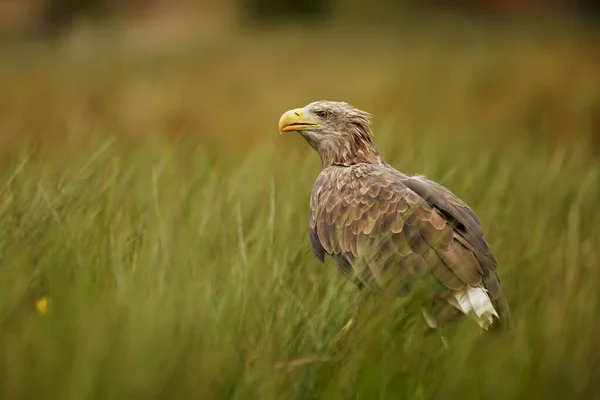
(463, 263)
(399, 228)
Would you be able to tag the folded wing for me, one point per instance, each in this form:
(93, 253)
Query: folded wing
(386, 230)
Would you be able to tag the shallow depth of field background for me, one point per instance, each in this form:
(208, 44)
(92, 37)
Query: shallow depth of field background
(144, 188)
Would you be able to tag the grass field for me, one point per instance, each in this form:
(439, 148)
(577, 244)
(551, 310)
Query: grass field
(147, 192)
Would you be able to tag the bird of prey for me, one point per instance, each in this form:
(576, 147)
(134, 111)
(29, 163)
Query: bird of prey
(388, 230)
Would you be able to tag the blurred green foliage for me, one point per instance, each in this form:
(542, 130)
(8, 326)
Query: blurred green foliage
(58, 14)
(267, 9)
(20, 18)
(147, 191)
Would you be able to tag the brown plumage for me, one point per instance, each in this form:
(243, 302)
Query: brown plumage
(389, 230)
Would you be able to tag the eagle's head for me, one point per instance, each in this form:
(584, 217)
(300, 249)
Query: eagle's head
(340, 133)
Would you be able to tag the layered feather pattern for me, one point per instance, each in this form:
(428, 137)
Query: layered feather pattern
(388, 231)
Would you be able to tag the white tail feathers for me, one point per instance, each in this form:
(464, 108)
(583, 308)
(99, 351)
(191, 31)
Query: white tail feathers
(474, 302)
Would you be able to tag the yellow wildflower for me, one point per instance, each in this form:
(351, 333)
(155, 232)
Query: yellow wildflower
(42, 305)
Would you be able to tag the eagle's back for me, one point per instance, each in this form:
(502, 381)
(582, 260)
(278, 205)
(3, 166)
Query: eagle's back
(388, 230)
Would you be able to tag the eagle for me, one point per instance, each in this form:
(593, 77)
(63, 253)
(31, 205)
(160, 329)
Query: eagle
(391, 232)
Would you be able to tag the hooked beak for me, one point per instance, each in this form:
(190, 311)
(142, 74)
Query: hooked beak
(293, 120)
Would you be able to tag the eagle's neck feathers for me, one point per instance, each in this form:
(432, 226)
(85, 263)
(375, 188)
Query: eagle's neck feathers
(354, 148)
(350, 155)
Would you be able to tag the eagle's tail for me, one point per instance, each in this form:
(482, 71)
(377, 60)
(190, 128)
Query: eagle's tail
(471, 301)
(475, 303)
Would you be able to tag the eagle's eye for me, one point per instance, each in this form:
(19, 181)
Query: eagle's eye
(322, 114)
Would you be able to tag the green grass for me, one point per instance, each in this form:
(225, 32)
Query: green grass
(151, 197)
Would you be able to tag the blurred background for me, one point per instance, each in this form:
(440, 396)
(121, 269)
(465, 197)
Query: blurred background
(145, 189)
(44, 17)
(182, 66)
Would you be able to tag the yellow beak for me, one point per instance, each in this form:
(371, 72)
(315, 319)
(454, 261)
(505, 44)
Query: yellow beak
(293, 120)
